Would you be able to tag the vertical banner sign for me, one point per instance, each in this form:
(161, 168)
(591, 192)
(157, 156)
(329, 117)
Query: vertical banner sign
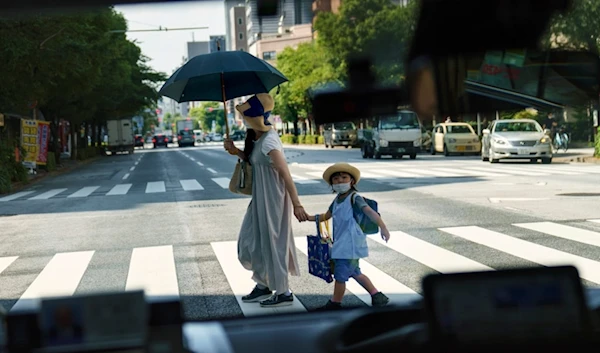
(29, 135)
(43, 139)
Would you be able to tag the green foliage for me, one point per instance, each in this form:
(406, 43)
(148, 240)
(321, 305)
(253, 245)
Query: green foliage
(576, 29)
(597, 147)
(205, 117)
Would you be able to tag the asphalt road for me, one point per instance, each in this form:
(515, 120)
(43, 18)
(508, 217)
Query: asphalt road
(163, 220)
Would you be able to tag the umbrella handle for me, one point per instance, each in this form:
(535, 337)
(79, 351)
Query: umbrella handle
(224, 105)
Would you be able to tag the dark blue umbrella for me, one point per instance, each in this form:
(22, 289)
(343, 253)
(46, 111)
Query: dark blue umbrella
(204, 77)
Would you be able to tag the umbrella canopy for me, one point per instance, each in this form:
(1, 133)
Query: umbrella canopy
(203, 77)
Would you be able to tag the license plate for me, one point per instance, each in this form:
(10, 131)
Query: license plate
(460, 148)
(401, 150)
(344, 142)
(523, 151)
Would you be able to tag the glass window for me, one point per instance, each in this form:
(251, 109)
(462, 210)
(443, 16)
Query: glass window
(459, 129)
(240, 21)
(269, 55)
(241, 35)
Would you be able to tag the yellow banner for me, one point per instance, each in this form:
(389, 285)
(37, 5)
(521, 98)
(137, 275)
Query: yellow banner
(29, 139)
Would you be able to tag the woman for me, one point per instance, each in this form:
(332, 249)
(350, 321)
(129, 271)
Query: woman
(266, 242)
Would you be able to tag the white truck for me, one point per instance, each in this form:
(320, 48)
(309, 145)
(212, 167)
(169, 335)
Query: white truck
(120, 136)
(395, 135)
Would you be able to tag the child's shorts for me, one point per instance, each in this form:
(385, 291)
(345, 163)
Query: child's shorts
(344, 269)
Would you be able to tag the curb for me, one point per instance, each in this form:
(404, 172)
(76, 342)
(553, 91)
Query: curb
(18, 186)
(577, 159)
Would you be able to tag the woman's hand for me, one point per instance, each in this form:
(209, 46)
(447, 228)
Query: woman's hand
(230, 147)
(300, 214)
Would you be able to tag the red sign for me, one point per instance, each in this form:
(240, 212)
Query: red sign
(44, 139)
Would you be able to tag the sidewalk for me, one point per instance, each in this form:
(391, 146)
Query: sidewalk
(576, 155)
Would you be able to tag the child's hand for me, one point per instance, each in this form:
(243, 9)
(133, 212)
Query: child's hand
(385, 235)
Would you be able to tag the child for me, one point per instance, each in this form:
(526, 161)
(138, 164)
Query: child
(349, 241)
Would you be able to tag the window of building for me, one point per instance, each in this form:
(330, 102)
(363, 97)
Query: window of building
(269, 55)
(241, 35)
(240, 21)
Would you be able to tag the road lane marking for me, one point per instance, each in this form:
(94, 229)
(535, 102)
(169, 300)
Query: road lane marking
(120, 189)
(500, 199)
(241, 283)
(212, 170)
(15, 196)
(430, 255)
(396, 291)
(125, 176)
(594, 220)
(84, 192)
(539, 254)
(48, 194)
(200, 164)
(190, 185)
(223, 182)
(562, 231)
(131, 169)
(153, 270)
(60, 277)
(302, 180)
(155, 186)
(6, 261)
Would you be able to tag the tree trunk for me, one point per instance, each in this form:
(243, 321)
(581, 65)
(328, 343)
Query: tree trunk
(74, 139)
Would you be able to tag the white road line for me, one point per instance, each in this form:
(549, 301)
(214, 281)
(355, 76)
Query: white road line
(302, 180)
(120, 189)
(131, 169)
(211, 170)
(136, 163)
(60, 277)
(432, 256)
(190, 185)
(48, 194)
(483, 171)
(478, 173)
(223, 182)
(397, 174)
(191, 158)
(563, 231)
(84, 192)
(15, 196)
(153, 270)
(516, 171)
(125, 176)
(539, 254)
(240, 281)
(200, 164)
(594, 220)
(155, 186)
(396, 291)
(434, 173)
(6, 261)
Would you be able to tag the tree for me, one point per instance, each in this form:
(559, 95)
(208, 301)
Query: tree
(577, 29)
(305, 67)
(374, 28)
(208, 112)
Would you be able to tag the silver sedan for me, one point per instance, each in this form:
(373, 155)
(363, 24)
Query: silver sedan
(516, 139)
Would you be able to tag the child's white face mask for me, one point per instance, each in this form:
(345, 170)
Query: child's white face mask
(341, 188)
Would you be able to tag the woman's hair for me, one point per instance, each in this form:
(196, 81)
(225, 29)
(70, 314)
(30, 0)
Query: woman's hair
(353, 187)
(249, 144)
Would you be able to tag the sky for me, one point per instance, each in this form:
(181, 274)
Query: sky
(166, 50)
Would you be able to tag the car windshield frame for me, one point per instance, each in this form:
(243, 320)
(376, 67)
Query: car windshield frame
(392, 122)
(538, 128)
(467, 127)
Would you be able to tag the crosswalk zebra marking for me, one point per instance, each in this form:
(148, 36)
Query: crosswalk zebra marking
(516, 171)
(60, 277)
(222, 182)
(396, 291)
(539, 254)
(480, 172)
(6, 261)
(48, 194)
(120, 189)
(15, 196)
(397, 174)
(430, 255)
(303, 180)
(155, 187)
(84, 192)
(594, 220)
(241, 283)
(563, 231)
(153, 270)
(191, 185)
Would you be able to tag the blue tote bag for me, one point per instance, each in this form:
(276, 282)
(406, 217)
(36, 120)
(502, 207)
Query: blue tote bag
(319, 254)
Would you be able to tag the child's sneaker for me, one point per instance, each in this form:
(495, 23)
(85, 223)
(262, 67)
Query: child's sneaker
(379, 299)
(330, 306)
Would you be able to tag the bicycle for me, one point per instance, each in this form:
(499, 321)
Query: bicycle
(561, 140)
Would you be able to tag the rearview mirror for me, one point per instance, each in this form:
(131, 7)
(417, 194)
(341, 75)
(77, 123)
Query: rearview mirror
(486, 131)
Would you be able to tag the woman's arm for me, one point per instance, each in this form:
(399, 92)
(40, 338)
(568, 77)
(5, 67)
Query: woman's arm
(234, 151)
(281, 166)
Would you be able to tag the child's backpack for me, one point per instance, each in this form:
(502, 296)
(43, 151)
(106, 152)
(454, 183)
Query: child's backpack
(365, 223)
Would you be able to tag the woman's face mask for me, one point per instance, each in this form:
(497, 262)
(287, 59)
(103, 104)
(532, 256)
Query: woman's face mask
(341, 188)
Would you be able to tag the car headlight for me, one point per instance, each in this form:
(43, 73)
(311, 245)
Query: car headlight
(452, 140)
(383, 143)
(417, 142)
(545, 139)
(499, 141)
(476, 140)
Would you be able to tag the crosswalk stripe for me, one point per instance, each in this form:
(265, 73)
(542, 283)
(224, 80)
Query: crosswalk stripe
(153, 270)
(302, 180)
(396, 173)
(155, 186)
(84, 192)
(553, 170)
(223, 182)
(539, 254)
(432, 256)
(240, 281)
(497, 172)
(594, 220)
(120, 189)
(474, 172)
(435, 173)
(396, 291)
(16, 196)
(6, 261)
(48, 194)
(60, 277)
(563, 231)
(190, 185)
(516, 171)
